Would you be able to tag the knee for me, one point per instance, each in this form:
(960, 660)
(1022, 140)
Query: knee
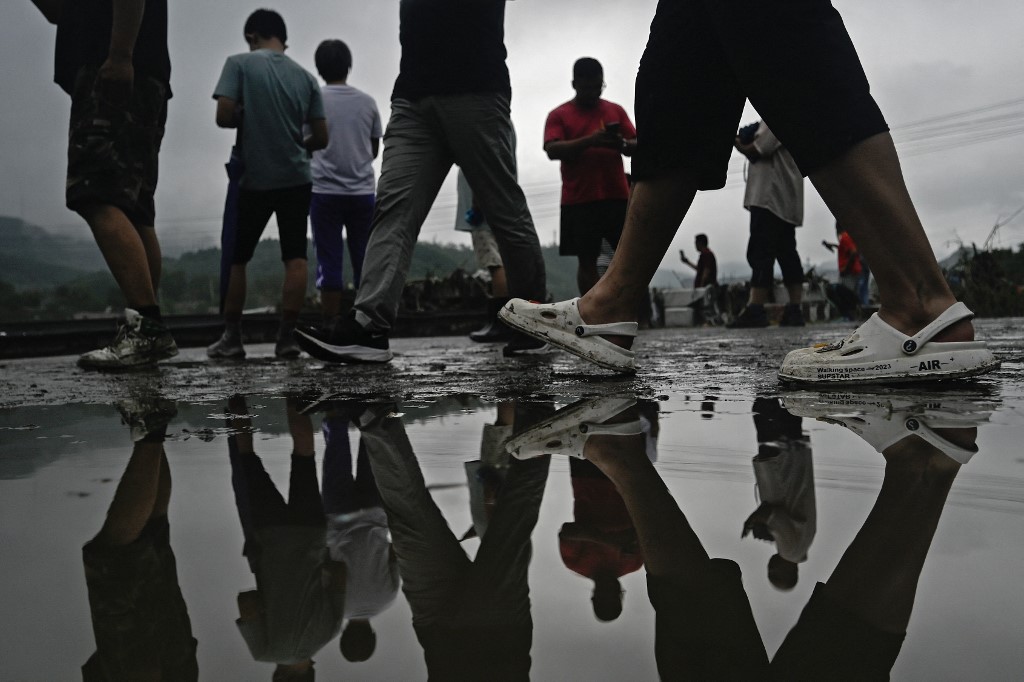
(99, 216)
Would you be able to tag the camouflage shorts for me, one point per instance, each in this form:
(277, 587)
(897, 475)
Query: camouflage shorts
(139, 618)
(113, 144)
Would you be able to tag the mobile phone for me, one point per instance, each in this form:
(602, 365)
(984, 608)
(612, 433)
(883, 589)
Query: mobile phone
(614, 127)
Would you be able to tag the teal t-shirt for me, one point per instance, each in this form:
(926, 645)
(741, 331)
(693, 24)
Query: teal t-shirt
(277, 97)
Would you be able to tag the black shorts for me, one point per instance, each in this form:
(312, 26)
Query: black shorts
(583, 226)
(772, 240)
(831, 643)
(704, 626)
(705, 630)
(792, 58)
(113, 147)
(290, 205)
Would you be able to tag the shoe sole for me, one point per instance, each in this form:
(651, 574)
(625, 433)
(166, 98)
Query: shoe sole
(146, 363)
(855, 376)
(220, 355)
(497, 338)
(322, 350)
(546, 349)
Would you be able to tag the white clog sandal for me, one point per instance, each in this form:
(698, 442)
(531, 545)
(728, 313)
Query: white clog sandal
(560, 325)
(883, 423)
(566, 432)
(878, 353)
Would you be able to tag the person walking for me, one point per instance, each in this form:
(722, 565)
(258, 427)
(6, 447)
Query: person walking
(450, 106)
(703, 60)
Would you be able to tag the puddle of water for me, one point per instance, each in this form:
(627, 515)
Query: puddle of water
(413, 522)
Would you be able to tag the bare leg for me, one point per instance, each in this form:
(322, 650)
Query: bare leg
(864, 189)
(586, 273)
(301, 428)
(656, 209)
(239, 409)
(330, 303)
(234, 301)
(866, 192)
(878, 574)
(125, 252)
(154, 256)
(670, 545)
(796, 293)
(293, 291)
(758, 296)
(499, 282)
(136, 496)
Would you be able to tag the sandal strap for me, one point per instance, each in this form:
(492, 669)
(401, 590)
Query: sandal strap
(632, 428)
(953, 314)
(609, 329)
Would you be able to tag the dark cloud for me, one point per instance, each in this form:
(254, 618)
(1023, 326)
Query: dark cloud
(923, 57)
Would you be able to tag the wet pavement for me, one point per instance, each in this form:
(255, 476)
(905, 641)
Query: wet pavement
(710, 505)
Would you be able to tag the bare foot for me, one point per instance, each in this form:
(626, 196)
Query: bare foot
(911, 322)
(593, 311)
(923, 460)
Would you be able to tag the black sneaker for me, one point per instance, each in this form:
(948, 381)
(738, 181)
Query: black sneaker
(344, 340)
(752, 316)
(495, 331)
(521, 344)
(792, 316)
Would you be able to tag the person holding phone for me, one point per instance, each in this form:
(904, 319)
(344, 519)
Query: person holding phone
(589, 136)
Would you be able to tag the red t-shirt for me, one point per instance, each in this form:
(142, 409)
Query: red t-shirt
(597, 173)
(849, 261)
(598, 505)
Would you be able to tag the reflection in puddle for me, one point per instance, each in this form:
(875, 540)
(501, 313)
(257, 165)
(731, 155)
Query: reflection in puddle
(617, 537)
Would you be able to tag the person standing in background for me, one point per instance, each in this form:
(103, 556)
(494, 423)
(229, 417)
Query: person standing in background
(343, 179)
(588, 136)
(775, 199)
(276, 97)
(112, 58)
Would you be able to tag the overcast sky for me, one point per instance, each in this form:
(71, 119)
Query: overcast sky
(925, 59)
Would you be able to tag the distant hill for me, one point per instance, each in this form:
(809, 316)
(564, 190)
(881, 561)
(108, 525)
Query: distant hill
(67, 274)
(72, 270)
(32, 258)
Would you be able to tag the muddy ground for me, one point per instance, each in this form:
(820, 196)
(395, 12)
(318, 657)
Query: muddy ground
(683, 360)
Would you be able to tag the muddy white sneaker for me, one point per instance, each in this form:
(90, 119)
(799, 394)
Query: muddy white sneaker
(228, 346)
(140, 342)
(147, 415)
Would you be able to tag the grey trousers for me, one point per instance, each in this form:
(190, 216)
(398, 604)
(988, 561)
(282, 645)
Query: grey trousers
(422, 141)
(443, 586)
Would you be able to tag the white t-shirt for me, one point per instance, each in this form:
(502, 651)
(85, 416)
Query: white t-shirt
(774, 182)
(346, 165)
(360, 539)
